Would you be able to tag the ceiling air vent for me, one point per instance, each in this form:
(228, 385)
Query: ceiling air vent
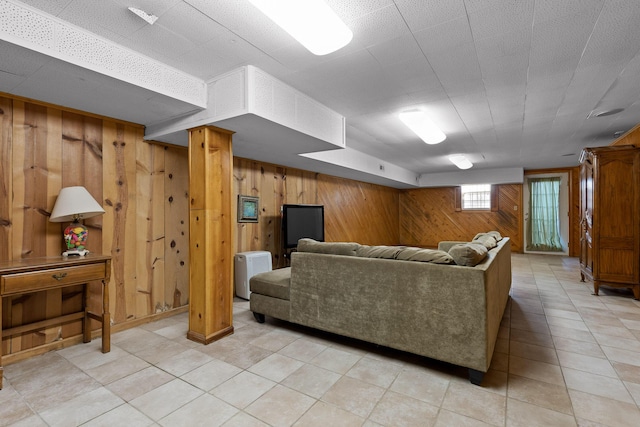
(604, 113)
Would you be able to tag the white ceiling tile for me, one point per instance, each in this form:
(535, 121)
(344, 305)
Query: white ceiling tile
(186, 21)
(477, 5)
(245, 21)
(378, 26)
(560, 41)
(444, 114)
(515, 44)
(421, 14)
(400, 49)
(54, 7)
(428, 96)
(445, 37)
(474, 111)
(501, 17)
(412, 76)
(515, 102)
(546, 10)
(18, 62)
(616, 36)
(500, 91)
(344, 67)
(458, 70)
(625, 90)
(159, 39)
(103, 17)
(507, 68)
(455, 87)
(10, 83)
(353, 9)
(541, 100)
(504, 116)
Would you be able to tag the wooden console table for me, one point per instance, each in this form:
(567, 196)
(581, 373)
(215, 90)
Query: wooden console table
(40, 274)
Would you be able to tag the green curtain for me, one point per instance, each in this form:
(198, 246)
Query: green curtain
(543, 228)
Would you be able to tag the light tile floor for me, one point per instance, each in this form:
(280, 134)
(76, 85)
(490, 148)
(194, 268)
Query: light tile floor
(564, 358)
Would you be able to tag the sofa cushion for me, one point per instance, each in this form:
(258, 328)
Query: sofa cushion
(495, 234)
(387, 252)
(425, 255)
(331, 248)
(486, 240)
(273, 283)
(468, 254)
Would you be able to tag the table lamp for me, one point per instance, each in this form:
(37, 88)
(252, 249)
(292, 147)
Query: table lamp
(74, 204)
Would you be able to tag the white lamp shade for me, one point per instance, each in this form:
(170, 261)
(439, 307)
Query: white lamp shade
(73, 203)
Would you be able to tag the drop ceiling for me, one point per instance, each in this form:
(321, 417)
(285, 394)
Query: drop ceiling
(513, 83)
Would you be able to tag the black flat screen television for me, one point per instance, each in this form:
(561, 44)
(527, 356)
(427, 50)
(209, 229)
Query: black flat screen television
(300, 221)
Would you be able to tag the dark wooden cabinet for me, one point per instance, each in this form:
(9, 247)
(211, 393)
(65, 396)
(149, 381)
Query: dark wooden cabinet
(610, 217)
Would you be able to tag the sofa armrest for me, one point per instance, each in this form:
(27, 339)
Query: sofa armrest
(445, 245)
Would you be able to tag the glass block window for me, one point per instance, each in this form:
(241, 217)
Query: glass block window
(476, 197)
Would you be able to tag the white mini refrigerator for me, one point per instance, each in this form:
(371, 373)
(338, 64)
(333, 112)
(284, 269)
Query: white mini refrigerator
(247, 265)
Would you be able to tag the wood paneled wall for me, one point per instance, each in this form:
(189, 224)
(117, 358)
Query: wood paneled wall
(359, 212)
(428, 215)
(354, 211)
(142, 187)
(632, 137)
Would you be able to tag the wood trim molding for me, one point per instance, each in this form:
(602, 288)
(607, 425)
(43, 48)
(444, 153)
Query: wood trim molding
(458, 198)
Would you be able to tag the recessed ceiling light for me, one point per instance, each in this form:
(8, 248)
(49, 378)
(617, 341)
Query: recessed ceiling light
(460, 161)
(421, 125)
(144, 15)
(311, 22)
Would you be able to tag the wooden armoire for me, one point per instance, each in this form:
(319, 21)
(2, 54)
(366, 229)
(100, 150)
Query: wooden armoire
(610, 217)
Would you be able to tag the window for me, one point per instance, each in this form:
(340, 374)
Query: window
(477, 197)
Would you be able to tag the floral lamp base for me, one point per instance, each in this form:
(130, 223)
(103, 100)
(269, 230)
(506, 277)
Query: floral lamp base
(75, 238)
(75, 252)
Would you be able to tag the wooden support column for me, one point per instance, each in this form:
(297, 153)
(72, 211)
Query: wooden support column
(210, 234)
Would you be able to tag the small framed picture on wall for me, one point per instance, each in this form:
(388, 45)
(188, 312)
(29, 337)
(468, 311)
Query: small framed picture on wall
(248, 209)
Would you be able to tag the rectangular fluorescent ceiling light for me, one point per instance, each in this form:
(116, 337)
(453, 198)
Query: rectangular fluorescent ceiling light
(460, 161)
(311, 22)
(421, 125)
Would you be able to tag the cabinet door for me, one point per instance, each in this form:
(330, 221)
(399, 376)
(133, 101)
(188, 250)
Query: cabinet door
(586, 217)
(617, 241)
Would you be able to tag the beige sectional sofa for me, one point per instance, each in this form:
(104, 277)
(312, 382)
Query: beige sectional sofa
(409, 299)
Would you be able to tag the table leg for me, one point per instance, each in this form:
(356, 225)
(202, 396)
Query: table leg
(86, 322)
(106, 318)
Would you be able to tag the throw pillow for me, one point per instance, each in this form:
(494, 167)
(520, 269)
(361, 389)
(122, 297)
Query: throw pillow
(331, 248)
(468, 254)
(485, 240)
(425, 255)
(496, 235)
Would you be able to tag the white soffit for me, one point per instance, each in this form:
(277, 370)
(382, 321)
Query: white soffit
(473, 176)
(38, 31)
(349, 158)
(239, 99)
